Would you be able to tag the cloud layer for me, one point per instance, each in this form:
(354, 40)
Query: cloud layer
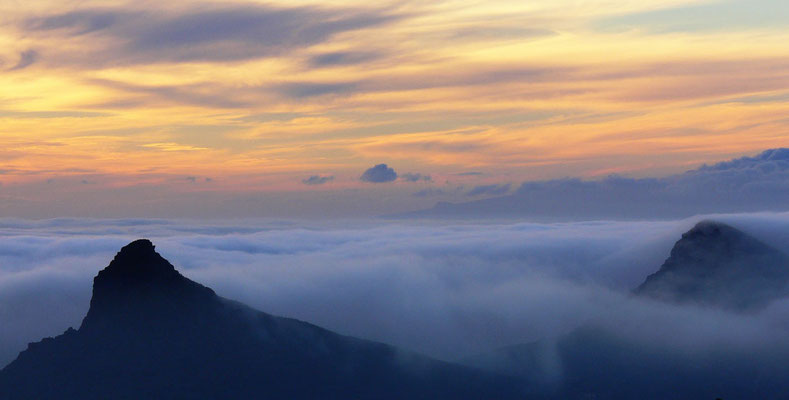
(446, 290)
(747, 184)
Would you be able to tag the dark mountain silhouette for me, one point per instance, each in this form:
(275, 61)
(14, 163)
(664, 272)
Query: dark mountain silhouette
(715, 264)
(596, 363)
(712, 264)
(152, 333)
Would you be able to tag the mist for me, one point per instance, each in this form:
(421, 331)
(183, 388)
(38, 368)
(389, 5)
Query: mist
(448, 290)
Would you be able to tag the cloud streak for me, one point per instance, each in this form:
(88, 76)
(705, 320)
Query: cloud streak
(209, 33)
(489, 190)
(317, 180)
(415, 177)
(26, 59)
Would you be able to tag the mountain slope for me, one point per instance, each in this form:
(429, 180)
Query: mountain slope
(712, 264)
(718, 265)
(597, 363)
(152, 333)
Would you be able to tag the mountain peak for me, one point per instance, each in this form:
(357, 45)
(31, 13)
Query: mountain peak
(716, 264)
(153, 333)
(137, 247)
(713, 229)
(140, 285)
(137, 259)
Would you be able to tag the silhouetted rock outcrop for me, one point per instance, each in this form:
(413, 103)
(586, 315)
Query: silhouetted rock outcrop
(718, 265)
(152, 333)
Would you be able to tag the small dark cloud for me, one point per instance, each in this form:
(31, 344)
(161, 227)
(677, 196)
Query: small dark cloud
(26, 59)
(209, 179)
(379, 174)
(341, 58)
(317, 180)
(489, 190)
(87, 182)
(415, 177)
(192, 179)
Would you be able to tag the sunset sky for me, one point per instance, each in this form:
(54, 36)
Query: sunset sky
(115, 108)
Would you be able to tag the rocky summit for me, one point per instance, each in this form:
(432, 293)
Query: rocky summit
(715, 264)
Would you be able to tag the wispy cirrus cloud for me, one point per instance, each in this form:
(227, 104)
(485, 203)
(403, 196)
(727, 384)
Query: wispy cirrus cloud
(26, 59)
(217, 33)
(342, 58)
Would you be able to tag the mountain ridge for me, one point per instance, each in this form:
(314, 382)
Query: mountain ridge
(715, 264)
(153, 333)
(595, 361)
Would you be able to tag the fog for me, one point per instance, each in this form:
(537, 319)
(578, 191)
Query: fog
(448, 290)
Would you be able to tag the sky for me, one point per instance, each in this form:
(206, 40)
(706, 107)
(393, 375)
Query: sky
(302, 108)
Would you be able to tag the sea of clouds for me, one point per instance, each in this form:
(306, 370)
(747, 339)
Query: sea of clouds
(445, 289)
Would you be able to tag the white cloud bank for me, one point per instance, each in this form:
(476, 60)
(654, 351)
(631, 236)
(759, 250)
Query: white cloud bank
(446, 290)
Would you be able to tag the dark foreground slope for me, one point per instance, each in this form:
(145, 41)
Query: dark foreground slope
(599, 363)
(715, 264)
(152, 333)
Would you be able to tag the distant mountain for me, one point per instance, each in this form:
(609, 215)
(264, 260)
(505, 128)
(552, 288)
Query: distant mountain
(151, 333)
(712, 264)
(718, 265)
(759, 183)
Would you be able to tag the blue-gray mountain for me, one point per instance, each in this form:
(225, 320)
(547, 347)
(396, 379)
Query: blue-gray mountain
(712, 265)
(717, 265)
(759, 183)
(151, 333)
